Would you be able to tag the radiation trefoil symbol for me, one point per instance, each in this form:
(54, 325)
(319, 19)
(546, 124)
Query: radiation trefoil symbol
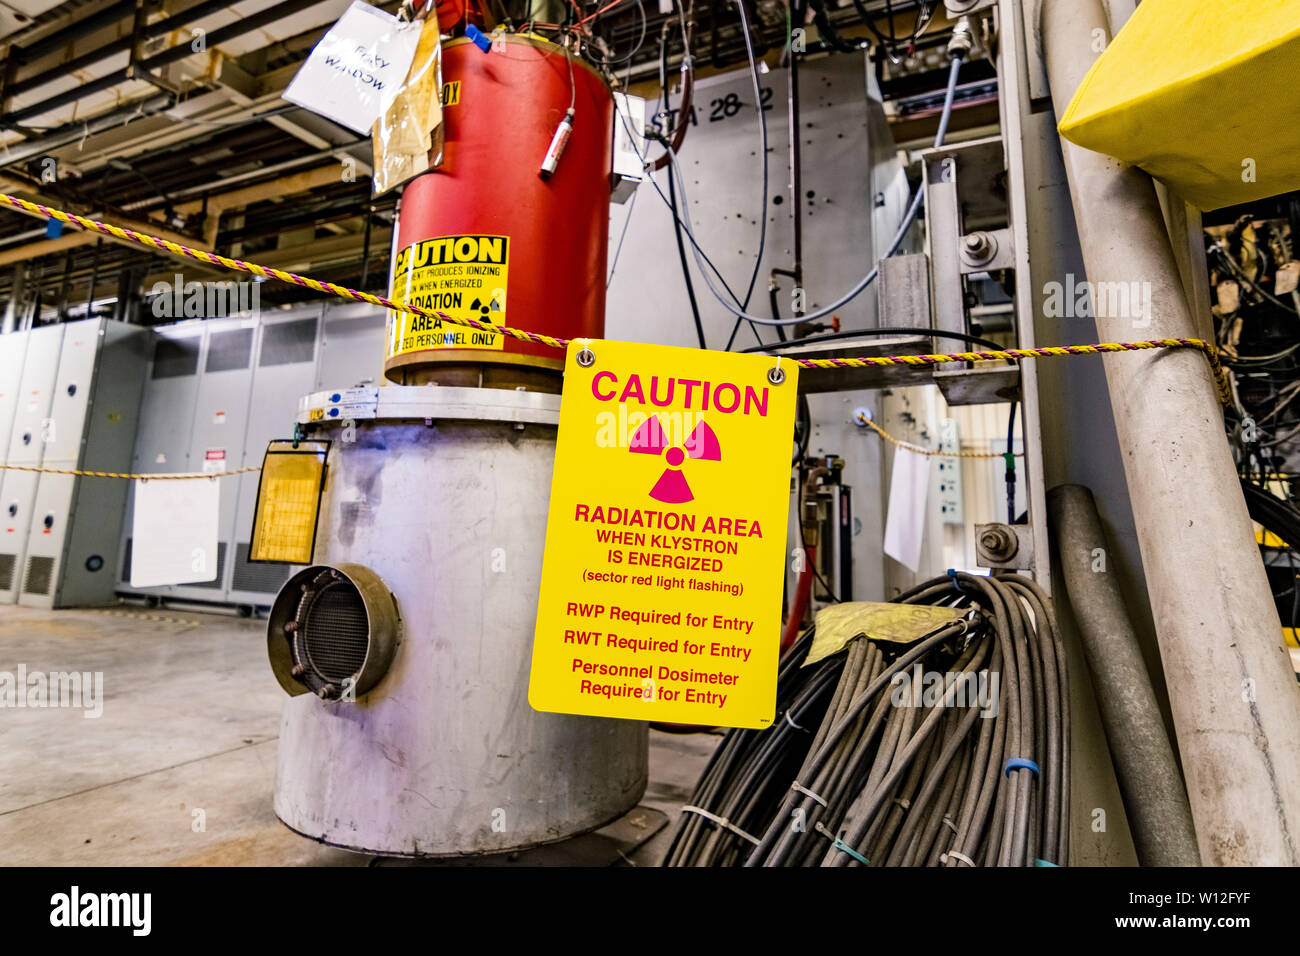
(672, 487)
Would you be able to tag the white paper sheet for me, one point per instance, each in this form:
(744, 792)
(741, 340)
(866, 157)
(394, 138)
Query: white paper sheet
(355, 71)
(905, 522)
(174, 534)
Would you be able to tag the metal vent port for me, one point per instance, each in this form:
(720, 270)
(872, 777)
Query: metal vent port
(332, 632)
(40, 574)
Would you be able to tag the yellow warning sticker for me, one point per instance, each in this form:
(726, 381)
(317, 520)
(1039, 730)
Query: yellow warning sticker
(451, 93)
(462, 276)
(666, 537)
(288, 500)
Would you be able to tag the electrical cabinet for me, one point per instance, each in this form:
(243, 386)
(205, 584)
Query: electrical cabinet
(216, 393)
(76, 520)
(69, 400)
(13, 349)
(25, 451)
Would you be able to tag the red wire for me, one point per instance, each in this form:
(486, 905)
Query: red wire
(608, 6)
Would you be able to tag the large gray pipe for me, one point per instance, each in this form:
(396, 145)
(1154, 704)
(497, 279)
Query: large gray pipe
(1155, 798)
(1233, 693)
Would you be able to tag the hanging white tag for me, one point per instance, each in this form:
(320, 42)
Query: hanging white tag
(174, 533)
(356, 69)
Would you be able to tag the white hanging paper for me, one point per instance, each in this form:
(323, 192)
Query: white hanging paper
(356, 69)
(174, 534)
(905, 523)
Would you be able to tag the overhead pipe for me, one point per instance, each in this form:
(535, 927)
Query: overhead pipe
(1155, 797)
(79, 29)
(73, 132)
(173, 55)
(1233, 693)
(122, 44)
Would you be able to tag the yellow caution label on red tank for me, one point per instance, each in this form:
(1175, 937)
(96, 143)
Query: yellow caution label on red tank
(465, 277)
(666, 545)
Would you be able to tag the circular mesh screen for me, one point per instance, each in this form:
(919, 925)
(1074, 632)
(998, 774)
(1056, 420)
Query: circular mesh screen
(334, 632)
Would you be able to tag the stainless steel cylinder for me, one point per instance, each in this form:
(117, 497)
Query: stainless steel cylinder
(442, 492)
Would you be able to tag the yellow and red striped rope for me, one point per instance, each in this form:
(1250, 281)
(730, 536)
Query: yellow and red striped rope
(180, 476)
(330, 288)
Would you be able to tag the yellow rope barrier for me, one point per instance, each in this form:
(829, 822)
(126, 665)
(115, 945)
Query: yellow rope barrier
(329, 288)
(928, 452)
(183, 476)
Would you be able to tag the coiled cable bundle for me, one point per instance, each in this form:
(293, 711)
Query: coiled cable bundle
(950, 751)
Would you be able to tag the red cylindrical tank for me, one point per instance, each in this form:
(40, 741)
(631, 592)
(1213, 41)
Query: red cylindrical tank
(485, 236)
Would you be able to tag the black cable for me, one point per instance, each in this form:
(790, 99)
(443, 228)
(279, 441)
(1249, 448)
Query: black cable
(877, 772)
(775, 307)
(762, 129)
(803, 543)
(802, 428)
(828, 31)
(892, 330)
(1010, 459)
(681, 255)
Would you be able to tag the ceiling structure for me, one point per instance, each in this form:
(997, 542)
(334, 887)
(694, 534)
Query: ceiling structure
(166, 116)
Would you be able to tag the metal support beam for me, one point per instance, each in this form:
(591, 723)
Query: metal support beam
(1232, 690)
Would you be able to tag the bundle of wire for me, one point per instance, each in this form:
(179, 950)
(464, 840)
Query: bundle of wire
(861, 768)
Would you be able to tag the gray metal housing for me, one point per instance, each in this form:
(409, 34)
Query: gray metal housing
(74, 406)
(443, 492)
(229, 387)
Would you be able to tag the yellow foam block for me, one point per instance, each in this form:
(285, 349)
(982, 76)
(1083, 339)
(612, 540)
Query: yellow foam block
(1199, 93)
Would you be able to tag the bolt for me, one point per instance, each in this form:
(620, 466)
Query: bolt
(290, 627)
(999, 542)
(326, 692)
(298, 670)
(979, 245)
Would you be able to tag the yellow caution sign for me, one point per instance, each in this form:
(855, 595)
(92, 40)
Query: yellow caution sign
(463, 276)
(666, 538)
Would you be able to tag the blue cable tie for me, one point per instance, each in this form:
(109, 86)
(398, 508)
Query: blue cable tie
(1019, 763)
(1045, 863)
(478, 38)
(839, 844)
(845, 848)
(952, 576)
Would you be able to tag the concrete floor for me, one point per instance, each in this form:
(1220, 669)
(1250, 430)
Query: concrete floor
(190, 722)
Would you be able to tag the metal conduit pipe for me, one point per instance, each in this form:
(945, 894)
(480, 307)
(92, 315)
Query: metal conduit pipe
(1155, 797)
(1233, 693)
(173, 54)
